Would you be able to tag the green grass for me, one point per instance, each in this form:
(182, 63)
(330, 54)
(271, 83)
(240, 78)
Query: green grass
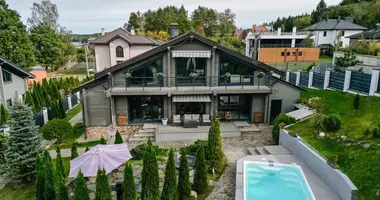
(68, 141)
(74, 72)
(73, 112)
(205, 194)
(300, 65)
(12, 192)
(361, 165)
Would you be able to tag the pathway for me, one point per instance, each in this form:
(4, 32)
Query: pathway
(77, 119)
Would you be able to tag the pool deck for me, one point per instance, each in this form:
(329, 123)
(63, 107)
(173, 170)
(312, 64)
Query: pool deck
(320, 189)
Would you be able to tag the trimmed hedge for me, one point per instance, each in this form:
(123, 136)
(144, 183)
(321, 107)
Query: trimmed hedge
(193, 149)
(139, 151)
(56, 129)
(332, 123)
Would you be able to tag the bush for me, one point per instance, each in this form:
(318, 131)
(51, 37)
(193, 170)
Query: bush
(331, 123)
(192, 149)
(376, 131)
(356, 102)
(367, 131)
(333, 159)
(139, 151)
(56, 129)
(281, 119)
(311, 66)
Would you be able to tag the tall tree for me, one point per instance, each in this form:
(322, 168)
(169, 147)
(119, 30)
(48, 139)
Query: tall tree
(59, 165)
(61, 193)
(81, 190)
(205, 19)
(316, 15)
(200, 176)
(149, 175)
(50, 178)
(40, 179)
(103, 189)
(74, 151)
(99, 187)
(184, 187)
(107, 195)
(129, 186)
(169, 191)
(226, 22)
(15, 44)
(44, 13)
(23, 144)
(218, 160)
(4, 115)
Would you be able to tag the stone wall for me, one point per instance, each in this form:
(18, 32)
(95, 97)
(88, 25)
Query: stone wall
(96, 132)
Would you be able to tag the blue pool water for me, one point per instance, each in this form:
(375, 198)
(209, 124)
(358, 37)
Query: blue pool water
(277, 182)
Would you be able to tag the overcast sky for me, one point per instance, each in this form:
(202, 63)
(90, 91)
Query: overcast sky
(89, 16)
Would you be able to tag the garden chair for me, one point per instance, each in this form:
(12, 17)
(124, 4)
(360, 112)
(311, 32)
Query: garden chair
(206, 119)
(228, 116)
(195, 117)
(177, 120)
(187, 117)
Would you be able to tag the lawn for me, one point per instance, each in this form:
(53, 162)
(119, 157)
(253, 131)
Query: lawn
(73, 112)
(68, 141)
(11, 192)
(300, 65)
(361, 165)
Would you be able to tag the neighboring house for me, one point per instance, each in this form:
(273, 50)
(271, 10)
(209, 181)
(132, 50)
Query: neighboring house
(118, 46)
(278, 47)
(13, 82)
(327, 31)
(145, 97)
(39, 72)
(241, 34)
(371, 35)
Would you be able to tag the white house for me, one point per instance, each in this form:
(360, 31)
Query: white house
(118, 46)
(327, 31)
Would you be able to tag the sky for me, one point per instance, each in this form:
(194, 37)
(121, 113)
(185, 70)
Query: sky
(89, 16)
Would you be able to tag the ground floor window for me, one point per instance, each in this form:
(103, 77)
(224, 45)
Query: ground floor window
(239, 106)
(145, 108)
(190, 108)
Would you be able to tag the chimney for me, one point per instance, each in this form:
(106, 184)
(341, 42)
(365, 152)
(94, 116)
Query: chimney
(133, 32)
(349, 19)
(103, 33)
(378, 26)
(294, 30)
(174, 30)
(279, 31)
(254, 28)
(339, 18)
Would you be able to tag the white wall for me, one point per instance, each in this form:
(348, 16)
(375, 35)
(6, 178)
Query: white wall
(331, 37)
(102, 56)
(346, 41)
(139, 49)
(16, 86)
(118, 42)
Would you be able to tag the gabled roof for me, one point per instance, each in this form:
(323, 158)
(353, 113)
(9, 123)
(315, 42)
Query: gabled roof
(21, 71)
(371, 34)
(179, 40)
(127, 36)
(334, 24)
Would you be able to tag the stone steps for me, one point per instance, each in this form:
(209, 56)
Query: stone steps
(142, 131)
(144, 135)
(261, 151)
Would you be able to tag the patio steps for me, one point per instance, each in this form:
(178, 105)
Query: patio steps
(146, 132)
(261, 151)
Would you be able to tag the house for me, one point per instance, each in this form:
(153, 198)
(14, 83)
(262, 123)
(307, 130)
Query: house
(276, 47)
(119, 45)
(371, 35)
(13, 82)
(241, 34)
(199, 77)
(327, 31)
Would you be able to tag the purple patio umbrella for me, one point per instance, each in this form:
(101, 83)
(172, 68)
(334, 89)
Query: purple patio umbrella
(107, 157)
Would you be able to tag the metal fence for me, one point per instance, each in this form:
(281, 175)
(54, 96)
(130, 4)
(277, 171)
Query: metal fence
(336, 80)
(360, 82)
(39, 118)
(304, 79)
(292, 78)
(318, 80)
(74, 100)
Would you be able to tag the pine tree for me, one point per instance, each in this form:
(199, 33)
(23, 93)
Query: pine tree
(4, 115)
(23, 144)
(29, 99)
(169, 191)
(49, 190)
(356, 102)
(81, 190)
(107, 195)
(129, 186)
(150, 177)
(40, 179)
(118, 138)
(61, 193)
(74, 151)
(200, 176)
(59, 165)
(99, 186)
(62, 113)
(184, 188)
(317, 14)
(102, 140)
(218, 160)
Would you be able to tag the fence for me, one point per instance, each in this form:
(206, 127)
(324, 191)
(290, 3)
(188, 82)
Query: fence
(69, 102)
(349, 81)
(366, 62)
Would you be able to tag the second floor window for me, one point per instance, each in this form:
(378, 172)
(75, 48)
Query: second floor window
(7, 77)
(324, 33)
(119, 52)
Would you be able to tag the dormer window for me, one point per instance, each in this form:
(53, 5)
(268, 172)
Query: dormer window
(119, 52)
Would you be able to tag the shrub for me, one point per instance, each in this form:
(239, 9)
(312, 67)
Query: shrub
(102, 140)
(193, 149)
(139, 151)
(331, 123)
(367, 131)
(376, 131)
(118, 138)
(333, 159)
(281, 119)
(319, 120)
(356, 102)
(56, 129)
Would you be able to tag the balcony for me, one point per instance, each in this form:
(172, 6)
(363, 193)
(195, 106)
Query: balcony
(285, 46)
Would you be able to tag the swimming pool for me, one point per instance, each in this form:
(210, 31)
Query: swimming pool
(265, 181)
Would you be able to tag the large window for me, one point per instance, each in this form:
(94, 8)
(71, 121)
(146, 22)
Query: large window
(7, 77)
(239, 106)
(147, 74)
(190, 108)
(186, 66)
(119, 52)
(232, 72)
(145, 108)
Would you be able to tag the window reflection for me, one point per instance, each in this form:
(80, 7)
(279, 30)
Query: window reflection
(146, 75)
(238, 105)
(186, 66)
(145, 108)
(238, 73)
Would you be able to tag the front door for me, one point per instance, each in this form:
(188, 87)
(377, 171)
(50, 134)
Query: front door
(276, 106)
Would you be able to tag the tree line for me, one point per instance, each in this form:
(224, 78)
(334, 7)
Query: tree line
(44, 41)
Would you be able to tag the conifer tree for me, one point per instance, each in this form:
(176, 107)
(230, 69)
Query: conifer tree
(29, 99)
(184, 188)
(170, 191)
(218, 160)
(99, 186)
(129, 186)
(107, 195)
(40, 179)
(24, 144)
(150, 177)
(49, 190)
(4, 115)
(61, 193)
(102, 140)
(118, 138)
(74, 151)
(81, 190)
(86, 149)
(200, 176)
(62, 113)
(59, 165)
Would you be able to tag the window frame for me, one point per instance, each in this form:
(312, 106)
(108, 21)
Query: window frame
(4, 77)
(119, 50)
(324, 33)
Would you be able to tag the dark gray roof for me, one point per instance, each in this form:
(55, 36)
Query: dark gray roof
(371, 34)
(334, 24)
(99, 77)
(18, 70)
(121, 33)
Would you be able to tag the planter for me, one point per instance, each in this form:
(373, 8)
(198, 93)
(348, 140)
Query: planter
(126, 82)
(122, 120)
(164, 121)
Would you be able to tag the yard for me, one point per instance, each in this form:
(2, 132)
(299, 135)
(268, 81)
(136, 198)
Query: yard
(359, 163)
(300, 65)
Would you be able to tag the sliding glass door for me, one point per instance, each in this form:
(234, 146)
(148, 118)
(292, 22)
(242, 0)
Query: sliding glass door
(145, 108)
(238, 105)
(190, 71)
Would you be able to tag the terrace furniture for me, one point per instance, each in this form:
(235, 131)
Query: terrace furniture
(206, 119)
(190, 124)
(195, 117)
(217, 115)
(228, 116)
(177, 120)
(187, 117)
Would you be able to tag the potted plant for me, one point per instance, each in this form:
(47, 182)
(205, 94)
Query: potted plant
(260, 75)
(122, 119)
(160, 76)
(128, 77)
(193, 75)
(227, 76)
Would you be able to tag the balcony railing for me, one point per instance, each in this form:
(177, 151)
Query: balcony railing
(285, 46)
